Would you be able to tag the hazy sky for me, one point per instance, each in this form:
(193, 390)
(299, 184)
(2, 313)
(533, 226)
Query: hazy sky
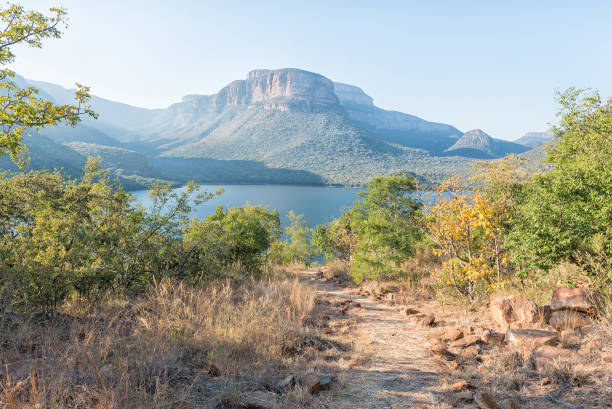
(493, 65)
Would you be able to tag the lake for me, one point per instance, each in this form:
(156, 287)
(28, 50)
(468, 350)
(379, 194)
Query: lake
(318, 204)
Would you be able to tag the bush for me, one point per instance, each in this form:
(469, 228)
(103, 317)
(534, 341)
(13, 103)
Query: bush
(63, 237)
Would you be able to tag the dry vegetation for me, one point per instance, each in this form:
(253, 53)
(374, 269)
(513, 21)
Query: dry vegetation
(157, 351)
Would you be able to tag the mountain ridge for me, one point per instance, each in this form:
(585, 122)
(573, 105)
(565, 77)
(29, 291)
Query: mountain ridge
(282, 122)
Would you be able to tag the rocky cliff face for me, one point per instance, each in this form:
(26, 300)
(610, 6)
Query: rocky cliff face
(284, 90)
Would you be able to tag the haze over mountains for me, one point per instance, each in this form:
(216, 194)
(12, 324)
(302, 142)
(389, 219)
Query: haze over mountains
(276, 126)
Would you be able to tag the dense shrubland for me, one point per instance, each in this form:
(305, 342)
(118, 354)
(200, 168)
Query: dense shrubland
(87, 238)
(510, 228)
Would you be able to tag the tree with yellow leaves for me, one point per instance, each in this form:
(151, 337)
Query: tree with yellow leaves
(466, 228)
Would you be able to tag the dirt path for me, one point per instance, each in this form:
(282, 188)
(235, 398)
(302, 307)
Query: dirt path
(398, 370)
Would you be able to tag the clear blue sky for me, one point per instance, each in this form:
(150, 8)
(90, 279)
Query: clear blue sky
(493, 65)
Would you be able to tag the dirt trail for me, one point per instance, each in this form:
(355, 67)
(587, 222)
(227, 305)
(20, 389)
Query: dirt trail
(398, 370)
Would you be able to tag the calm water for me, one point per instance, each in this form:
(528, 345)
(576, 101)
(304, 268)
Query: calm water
(317, 204)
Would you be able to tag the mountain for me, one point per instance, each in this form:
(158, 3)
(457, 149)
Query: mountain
(535, 139)
(478, 144)
(404, 129)
(285, 126)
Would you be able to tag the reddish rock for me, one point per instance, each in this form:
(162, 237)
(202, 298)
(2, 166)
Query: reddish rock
(575, 299)
(514, 311)
(465, 342)
(426, 320)
(440, 350)
(459, 386)
(446, 334)
(493, 338)
(530, 338)
(546, 355)
(568, 319)
(258, 400)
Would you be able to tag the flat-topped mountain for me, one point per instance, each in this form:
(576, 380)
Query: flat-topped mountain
(274, 126)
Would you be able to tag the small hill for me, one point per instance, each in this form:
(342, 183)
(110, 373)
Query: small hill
(535, 139)
(478, 144)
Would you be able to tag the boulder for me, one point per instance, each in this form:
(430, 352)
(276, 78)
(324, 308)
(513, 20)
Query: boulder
(530, 338)
(514, 311)
(258, 400)
(575, 299)
(446, 334)
(465, 342)
(569, 319)
(426, 320)
(545, 356)
(440, 350)
(287, 382)
(493, 338)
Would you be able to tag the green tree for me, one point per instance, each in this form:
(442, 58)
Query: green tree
(60, 237)
(22, 108)
(384, 223)
(238, 235)
(565, 214)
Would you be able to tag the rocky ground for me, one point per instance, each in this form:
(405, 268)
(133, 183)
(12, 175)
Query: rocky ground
(407, 353)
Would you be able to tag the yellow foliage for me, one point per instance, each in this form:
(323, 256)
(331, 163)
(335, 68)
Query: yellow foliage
(466, 228)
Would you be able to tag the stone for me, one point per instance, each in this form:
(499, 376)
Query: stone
(530, 338)
(440, 350)
(325, 382)
(471, 352)
(213, 371)
(287, 382)
(312, 383)
(466, 342)
(493, 338)
(514, 311)
(545, 356)
(426, 320)
(485, 401)
(459, 386)
(446, 334)
(569, 319)
(258, 400)
(575, 299)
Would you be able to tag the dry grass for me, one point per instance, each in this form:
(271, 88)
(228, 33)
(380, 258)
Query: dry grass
(155, 352)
